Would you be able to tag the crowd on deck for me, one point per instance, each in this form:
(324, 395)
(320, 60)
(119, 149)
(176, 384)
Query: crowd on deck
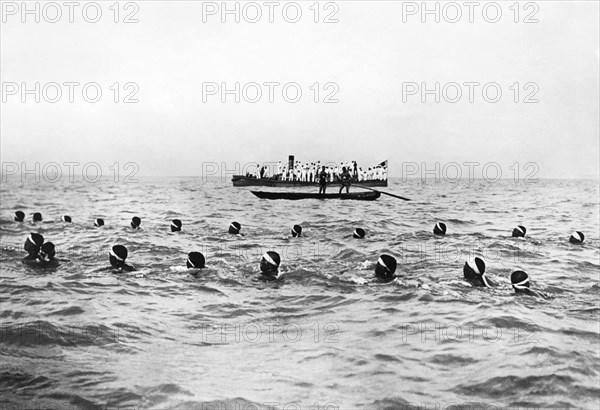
(309, 172)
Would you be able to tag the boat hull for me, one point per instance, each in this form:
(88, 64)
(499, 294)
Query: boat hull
(240, 180)
(357, 196)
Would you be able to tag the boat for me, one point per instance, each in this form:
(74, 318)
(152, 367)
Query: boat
(277, 181)
(357, 196)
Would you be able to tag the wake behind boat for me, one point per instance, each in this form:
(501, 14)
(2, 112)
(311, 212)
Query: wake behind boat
(358, 196)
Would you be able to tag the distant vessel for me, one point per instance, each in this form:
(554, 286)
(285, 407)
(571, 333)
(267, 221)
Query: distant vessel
(278, 181)
(357, 196)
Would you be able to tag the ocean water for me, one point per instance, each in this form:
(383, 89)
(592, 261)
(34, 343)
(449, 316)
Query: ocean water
(323, 337)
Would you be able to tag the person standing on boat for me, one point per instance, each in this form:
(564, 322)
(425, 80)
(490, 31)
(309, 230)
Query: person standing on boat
(322, 181)
(345, 178)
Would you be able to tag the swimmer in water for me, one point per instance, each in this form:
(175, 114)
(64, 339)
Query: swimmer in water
(175, 225)
(117, 256)
(474, 273)
(519, 232)
(385, 268)
(19, 216)
(195, 260)
(577, 238)
(234, 228)
(47, 255)
(359, 233)
(269, 266)
(47, 252)
(98, 222)
(297, 231)
(66, 218)
(32, 246)
(136, 222)
(37, 217)
(439, 229)
(520, 283)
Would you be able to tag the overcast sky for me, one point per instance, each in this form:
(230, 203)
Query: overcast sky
(369, 56)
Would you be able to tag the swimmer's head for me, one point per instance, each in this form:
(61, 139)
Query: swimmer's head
(269, 264)
(19, 216)
(195, 260)
(475, 266)
(37, 217)
(175, 225)
(33, 243)
(117, 256)
(439, 228)
(519, 232)
(519, 280)
(47, 252)
(135, 222)
(474, 272)
(297, 231)
(234, 228)
(98, 222)
(577, 237)
(66, 218)
(385, 268)
(359, 233)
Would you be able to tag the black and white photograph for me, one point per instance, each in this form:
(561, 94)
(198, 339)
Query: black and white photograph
(299, 205)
